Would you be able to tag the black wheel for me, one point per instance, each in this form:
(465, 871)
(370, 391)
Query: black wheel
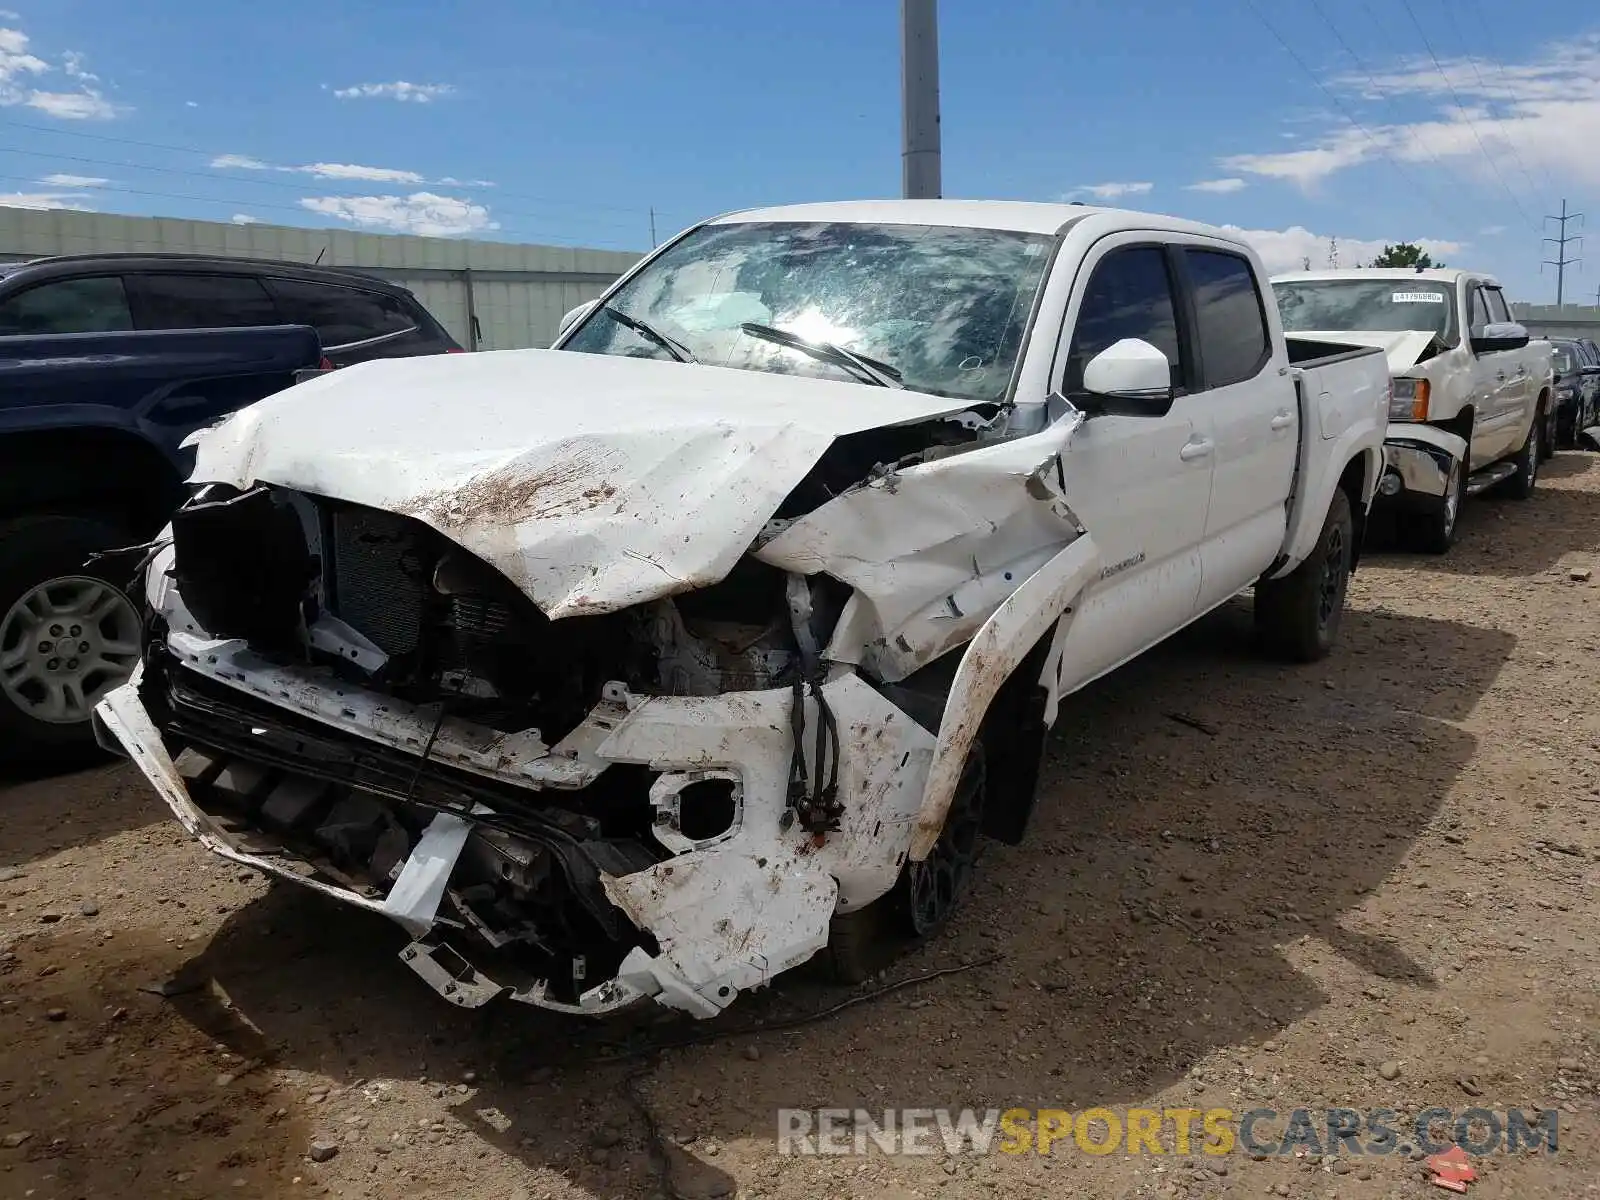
(863, 942)
(1298, 616)
(68, 635)
(1432, 529)
(1520, 485)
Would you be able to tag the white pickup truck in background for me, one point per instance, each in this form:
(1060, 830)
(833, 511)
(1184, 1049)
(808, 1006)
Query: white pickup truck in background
(1472, 401)
(657, 663)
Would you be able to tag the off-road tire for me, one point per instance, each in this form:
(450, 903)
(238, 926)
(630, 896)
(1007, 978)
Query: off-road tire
(863, 942)
(1298, 616)
(33, 550)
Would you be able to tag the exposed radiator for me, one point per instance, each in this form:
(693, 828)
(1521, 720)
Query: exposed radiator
(380, 579)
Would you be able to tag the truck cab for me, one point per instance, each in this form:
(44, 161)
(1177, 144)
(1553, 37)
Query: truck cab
(1472, 391)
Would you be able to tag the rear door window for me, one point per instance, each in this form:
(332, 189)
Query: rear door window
(341, 315)
(203, 302)
(95, 305)
(1497, 306)
(1230, 322)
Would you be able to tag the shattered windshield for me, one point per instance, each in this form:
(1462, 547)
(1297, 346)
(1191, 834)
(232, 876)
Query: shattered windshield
(944, 309)
(1388, 305)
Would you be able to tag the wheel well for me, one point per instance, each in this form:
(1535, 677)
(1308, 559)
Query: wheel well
(1353, 483)
(74, 470)
(1461, 425)
(1013, 737)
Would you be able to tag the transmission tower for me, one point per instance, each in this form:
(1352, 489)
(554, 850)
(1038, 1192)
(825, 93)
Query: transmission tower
(1561, 262)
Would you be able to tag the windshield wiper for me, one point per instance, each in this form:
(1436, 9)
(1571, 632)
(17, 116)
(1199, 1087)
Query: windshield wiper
(650, 334)
(870, 370)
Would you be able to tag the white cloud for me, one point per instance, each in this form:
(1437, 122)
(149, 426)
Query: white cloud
(332, 170)
(191, 104)
(1541, 114)
(245, 219)
(421, 213)
(72, 63)
(73, 181)
(1491, 231)
(74, 202)
(351, 171)
(1111, 191)
(21, 71)
(415, 93)
(1218, 187)
(239, 162)
(1288, 249)
(73, 106)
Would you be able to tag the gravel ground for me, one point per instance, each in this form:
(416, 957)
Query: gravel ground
(1372, 882)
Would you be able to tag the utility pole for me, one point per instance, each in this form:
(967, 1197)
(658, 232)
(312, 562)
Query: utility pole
(652, 228)
(919, 99)
(1561, 262)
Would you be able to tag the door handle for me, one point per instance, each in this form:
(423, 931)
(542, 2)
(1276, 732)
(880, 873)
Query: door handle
(1282, 421)
(1501, 376)
(1197, 448)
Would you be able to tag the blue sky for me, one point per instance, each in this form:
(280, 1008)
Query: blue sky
(528, 120)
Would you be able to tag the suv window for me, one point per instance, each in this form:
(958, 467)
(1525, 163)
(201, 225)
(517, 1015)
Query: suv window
(1230, 323)
(1130, 295)
(203, 302)
(1497, 305)
(95, 305)
(341, 315)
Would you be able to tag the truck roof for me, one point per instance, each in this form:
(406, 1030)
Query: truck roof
(1450, 275)
(1019, 216)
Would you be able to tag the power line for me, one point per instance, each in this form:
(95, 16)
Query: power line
(1461, 108)
(1500, 72)
(1483, 89)
(237, 203)
(1561, 262)
(1372, 79)
(1344, 111)
(636, 210)
(323, 185)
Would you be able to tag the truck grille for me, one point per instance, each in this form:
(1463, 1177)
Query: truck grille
(379, 576)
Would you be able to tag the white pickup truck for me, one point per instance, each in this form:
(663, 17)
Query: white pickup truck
(657, 663)
(1472, 394)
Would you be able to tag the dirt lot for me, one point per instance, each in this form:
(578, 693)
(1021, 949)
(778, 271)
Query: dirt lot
(1383, 865)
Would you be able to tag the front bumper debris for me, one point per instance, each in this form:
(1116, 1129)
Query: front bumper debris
(1419, 463)
(710, 919)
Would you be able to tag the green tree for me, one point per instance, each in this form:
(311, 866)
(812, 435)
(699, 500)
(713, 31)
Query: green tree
(1406, 254)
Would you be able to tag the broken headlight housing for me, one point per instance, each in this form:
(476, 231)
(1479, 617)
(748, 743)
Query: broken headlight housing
(1408, 401)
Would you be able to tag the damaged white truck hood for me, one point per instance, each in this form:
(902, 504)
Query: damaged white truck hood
(1401, 347)
(593, 482)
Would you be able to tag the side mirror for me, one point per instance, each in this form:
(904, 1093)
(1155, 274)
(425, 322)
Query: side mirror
(573, 315)
(1499, 335)
(1130, 378)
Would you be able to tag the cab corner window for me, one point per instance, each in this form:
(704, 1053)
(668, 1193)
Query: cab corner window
(1230, 322)
(1129, 296)
(1497, 306)
(94, 305)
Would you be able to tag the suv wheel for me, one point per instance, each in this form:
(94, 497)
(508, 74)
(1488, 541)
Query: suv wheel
(68, 635)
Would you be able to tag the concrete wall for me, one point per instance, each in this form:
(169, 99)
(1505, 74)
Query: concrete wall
(517, 292)
(1570, 320)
